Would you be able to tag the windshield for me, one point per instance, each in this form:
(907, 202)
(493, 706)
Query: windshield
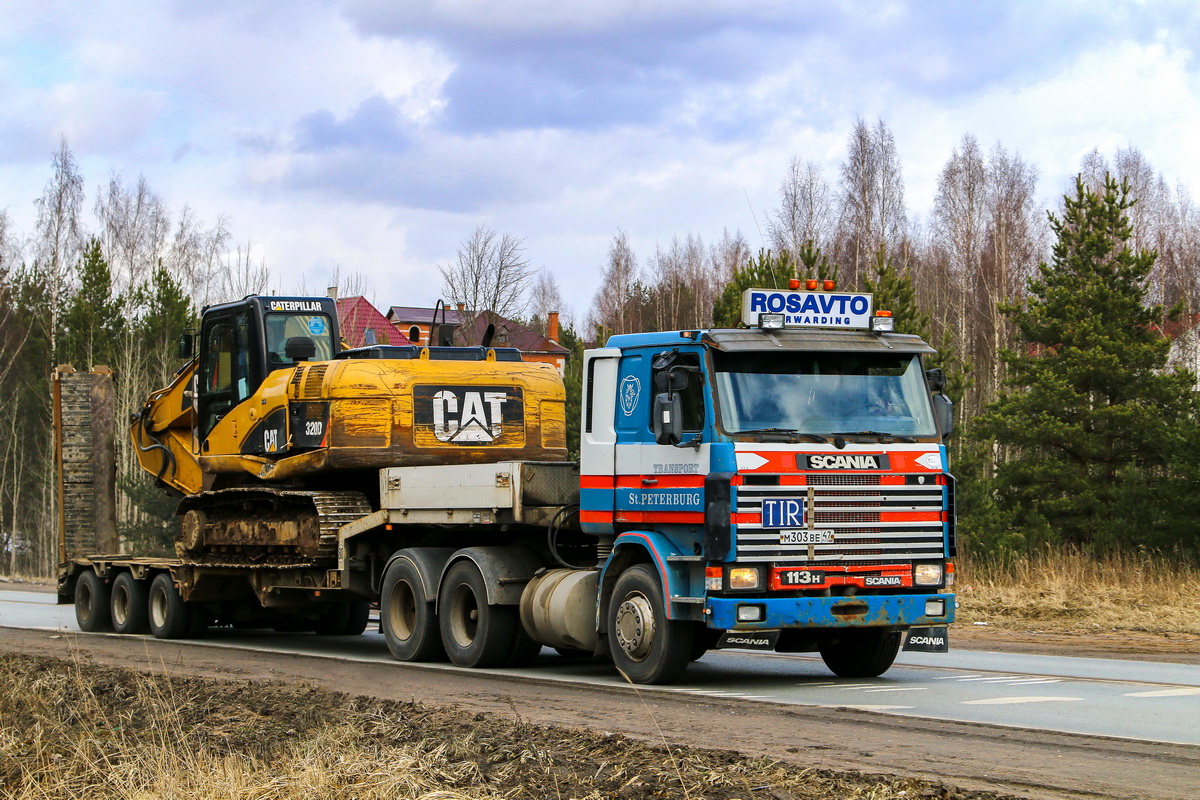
(823, 394)
(281, 327)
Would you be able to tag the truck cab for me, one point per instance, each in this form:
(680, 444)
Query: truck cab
(786, 483)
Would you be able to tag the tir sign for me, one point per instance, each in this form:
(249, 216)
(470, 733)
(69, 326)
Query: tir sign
(783, 512)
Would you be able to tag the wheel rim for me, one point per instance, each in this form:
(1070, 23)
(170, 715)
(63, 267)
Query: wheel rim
(120, 605)
(402, 610)
(635, 626)
(464, 615)
(158, 607)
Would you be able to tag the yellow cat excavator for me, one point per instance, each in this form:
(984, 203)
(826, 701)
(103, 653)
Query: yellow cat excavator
(274, 436)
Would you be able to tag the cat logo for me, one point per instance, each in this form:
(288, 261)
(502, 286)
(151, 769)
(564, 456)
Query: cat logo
(469, 416)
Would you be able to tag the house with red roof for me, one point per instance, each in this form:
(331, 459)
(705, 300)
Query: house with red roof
(363, 325)
(415, 324)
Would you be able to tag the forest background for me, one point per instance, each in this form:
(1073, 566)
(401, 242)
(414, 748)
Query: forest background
(1067, 333)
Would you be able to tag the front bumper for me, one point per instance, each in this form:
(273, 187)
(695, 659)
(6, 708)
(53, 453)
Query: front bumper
(862, 611)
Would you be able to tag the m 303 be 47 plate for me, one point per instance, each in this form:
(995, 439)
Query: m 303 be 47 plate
(806, 537)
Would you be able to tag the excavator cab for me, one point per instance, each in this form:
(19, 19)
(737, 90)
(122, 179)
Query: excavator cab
(241, 343)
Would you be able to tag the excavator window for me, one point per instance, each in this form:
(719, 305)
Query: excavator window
(281, 327)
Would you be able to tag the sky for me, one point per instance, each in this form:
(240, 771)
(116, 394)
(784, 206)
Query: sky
(373, 136)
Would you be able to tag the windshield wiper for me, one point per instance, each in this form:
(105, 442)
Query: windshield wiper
(812, 437)
(896, 436)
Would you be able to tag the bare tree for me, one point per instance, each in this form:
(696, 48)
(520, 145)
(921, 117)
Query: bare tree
(196, 255)
(873, 215)
(240, 275)
(490, 277)
(544, 299)
(805, 214)
(612, 308)
(59, 236)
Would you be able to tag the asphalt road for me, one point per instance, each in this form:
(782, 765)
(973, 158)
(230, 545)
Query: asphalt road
(1148, 701)
(1035, 726)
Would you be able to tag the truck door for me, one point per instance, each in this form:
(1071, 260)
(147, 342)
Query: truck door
(598, 439)
(672, 476)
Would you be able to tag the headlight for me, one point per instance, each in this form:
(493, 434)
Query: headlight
(745, 578)
(927, 575)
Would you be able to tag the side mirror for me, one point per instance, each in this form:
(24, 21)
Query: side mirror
(935, 379)
(672, 380)
(299, 348)
(943, 410)
(187, 345)
(668, 425)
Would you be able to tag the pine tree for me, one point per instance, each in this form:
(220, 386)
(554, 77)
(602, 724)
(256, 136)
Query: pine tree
(766, 271)
(92, 319)
(1097, 429)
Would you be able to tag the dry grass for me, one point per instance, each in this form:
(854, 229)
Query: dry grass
(72, 730)
(1064, 589)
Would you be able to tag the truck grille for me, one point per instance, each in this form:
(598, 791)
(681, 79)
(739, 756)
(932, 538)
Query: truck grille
(852, 507)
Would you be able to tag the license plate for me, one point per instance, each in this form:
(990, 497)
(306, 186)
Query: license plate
(806, 537)
(801, 577)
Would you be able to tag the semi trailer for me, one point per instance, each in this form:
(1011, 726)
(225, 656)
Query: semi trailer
(779, 486)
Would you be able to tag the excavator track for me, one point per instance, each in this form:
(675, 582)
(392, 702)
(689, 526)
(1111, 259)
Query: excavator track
(254, 527)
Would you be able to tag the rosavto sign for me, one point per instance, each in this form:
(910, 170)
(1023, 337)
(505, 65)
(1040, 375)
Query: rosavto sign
(808, 309)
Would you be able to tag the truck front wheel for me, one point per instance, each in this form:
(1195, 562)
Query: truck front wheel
(860, 652)
(170, 616)
(410, 626)
(646, 646)
(475, 634)
(91, 603)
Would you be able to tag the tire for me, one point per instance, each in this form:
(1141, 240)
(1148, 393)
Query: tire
(409, 623)
(861, 652)
(129, 605)
(332, 620)
(170, 617)
(646, 646)
(358, 616)
(525, 650)
(92, 610)
(344, 619)
(474, 633)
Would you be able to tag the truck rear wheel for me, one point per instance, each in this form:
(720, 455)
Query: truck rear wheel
(92, 603)
(861, 652)
(646, 646)
(170, 617)
(410, 625)
(129, 605)
(475, 634)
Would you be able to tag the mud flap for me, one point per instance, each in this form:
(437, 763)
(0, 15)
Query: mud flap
(928, 640)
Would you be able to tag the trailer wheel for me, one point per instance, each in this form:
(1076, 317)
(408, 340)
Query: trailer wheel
(129, 605)
(409, 623)
(861, 652)
(92, 603)
(646, 646)
(344, 619)
(170, 617)
(475, 634)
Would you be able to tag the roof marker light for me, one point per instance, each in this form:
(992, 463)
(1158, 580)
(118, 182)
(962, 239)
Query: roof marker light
(811, 285)
(794, 283)
(829, 286)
